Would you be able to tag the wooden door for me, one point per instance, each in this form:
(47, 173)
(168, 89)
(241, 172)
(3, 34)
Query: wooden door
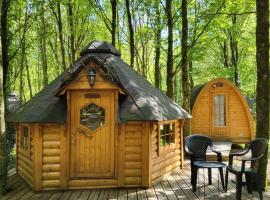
(219, 115)
(92, 134)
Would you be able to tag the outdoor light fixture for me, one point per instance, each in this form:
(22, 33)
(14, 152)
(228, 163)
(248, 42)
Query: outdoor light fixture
(91, 76)
(217, 85)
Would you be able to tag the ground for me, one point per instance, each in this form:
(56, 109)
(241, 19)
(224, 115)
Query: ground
(175, 185)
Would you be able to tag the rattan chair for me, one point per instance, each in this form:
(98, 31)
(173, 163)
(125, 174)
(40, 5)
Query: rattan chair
(196, 147)
(257, 148)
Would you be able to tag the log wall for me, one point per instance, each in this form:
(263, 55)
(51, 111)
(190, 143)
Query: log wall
(168, 160)
(130, 154)
(51, 160)
(25, 162)
(47, 166)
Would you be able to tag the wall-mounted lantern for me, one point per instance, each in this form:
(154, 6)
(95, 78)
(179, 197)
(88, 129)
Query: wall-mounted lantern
(91, 76)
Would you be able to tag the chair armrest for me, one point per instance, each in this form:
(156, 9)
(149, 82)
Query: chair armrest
(248, 159)
(219, 157)
(188, 152)
(239, 153)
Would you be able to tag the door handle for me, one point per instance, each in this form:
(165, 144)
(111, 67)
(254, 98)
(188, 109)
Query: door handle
(73, 138)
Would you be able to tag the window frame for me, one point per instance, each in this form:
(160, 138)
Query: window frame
(225, 110)
(169, 147)
(25, 151)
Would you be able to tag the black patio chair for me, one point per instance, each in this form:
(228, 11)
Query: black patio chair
(196, 147)
(257, 148)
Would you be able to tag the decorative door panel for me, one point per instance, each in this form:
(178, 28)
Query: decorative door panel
(92, 134)
(219, 115)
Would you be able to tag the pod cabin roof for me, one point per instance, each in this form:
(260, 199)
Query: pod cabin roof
(141, 101)
(197, 90)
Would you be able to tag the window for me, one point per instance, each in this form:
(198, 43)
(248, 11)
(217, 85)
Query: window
(166, 134)
(25, 140)
(92, 116)
(220, 110)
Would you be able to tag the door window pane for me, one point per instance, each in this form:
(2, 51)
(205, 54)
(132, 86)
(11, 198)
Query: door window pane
(92, 116)
(220, 110)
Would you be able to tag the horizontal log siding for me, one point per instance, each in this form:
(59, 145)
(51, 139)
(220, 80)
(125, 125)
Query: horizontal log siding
(25, 162)
(169, 160)
(133, 154)
(51, 165)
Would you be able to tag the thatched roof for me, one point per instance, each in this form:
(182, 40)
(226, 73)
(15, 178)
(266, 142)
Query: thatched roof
(143, 101)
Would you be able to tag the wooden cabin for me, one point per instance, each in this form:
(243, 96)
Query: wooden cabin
(220, 111)
(99, 124)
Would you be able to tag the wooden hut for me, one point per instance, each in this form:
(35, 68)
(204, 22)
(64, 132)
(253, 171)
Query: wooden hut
(99, 124)
(220, 111)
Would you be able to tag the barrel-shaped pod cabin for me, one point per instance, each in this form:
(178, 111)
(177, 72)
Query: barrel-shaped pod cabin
(99, 124)
(220, 110)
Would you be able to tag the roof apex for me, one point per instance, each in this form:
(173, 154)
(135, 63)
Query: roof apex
(98, 46)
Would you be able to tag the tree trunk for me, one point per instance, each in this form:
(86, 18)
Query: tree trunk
(190, 65)
(224, 55)
(28, 76)
(43, 48)
(262, 96)
(71, 30)
(131, 35)
(114, 18)
(61, 39)
(157, 45)
(184, 65)
(234, 52)
(3, 91)
(170, 49)
(4, 41)
(21, 90)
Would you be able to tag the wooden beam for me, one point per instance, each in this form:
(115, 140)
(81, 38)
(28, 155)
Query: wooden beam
(182, 142)
(63, 158)
(122, 156)
(37, 158)
(146, 155)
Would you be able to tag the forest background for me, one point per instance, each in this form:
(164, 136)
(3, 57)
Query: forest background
(46, 36)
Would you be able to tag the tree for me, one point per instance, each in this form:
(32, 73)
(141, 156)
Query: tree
(184, 65)
(58, 18)
(131, 35)
(157, 44)
(110, 23)
(71, 30)
(114, 18)
(262, 97)
(43, 46)
(170, 74)
(3, 89)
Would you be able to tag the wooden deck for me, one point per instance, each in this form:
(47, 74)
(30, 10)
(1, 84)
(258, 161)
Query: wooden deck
(175, 185)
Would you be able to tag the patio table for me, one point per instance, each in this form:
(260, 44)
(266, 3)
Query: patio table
(211, 165)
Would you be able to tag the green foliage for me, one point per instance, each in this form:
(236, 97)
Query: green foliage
(206, 17)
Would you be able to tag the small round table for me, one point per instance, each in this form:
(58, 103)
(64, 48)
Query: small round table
(211, 165)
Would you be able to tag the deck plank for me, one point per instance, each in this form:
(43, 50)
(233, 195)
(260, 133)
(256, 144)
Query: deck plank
(173, 186)
(141, 193)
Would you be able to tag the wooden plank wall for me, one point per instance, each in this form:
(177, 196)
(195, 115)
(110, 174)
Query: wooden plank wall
(51, 161)
(133, 154)
(130, 154)
(165, 162)
(25, 163)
